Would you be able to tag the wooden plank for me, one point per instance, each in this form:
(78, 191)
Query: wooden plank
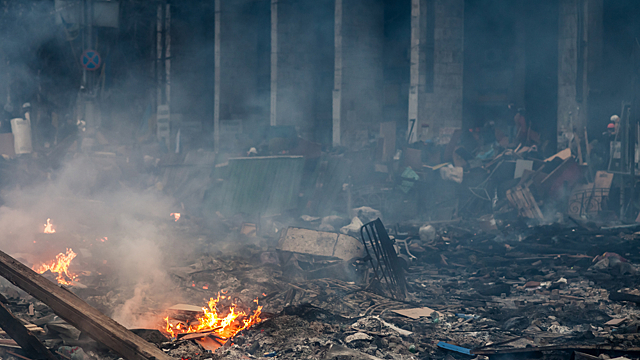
(564, 155)
(522, 199)
(18, 332)
(32, 328)
(533, 205)
(78, 313)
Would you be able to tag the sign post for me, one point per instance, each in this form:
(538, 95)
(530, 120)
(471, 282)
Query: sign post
(91, 60)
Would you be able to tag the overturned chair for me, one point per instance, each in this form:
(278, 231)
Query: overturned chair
(384, 260)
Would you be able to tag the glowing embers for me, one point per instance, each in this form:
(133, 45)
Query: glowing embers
(60, 267)
(222, 321)
(176, 216)
(48, 227)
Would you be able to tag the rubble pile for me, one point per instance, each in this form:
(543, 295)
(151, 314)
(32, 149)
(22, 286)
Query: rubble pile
(552, 289)
(432, 252)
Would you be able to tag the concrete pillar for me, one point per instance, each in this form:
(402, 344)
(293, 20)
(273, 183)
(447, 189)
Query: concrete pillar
(571, 95)
(580, 22)
(303, 66)
(414, 72)
(241, 67)
(274, 63)
(437, 105)
(337, 80)
(360, 96)
(216, 76)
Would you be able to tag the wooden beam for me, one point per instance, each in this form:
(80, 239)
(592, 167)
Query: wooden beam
(78, 313)
(18, 332)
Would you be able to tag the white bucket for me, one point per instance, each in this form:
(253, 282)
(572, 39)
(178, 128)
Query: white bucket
(21, 129)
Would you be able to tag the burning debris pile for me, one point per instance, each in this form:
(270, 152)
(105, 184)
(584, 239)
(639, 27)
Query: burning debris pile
(59, 266)
(223, 324)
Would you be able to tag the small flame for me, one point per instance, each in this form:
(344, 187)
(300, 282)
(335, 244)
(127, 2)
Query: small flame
(104, 239)
(226, 326)
(48, 227)
(60, 266)
(176, 216)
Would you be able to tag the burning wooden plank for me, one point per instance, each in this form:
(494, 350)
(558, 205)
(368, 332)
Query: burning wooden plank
(78, 313)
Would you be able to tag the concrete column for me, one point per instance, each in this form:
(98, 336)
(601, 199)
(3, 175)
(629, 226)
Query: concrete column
(303, 66)
(240, 48)
(414, 75)
(337, 80)
(216, 81)
(580, 22)
(571, 101)
(362, 90)
(274, 62)
(439, 106)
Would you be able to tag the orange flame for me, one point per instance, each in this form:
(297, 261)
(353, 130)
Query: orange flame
(225, 326)
(59, 266)
(48, 227)
(175, 216)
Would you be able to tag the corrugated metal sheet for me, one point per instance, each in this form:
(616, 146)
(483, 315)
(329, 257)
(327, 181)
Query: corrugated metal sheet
(330, 174)
(259, 185)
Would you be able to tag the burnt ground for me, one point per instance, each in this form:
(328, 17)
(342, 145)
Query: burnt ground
(491, 292)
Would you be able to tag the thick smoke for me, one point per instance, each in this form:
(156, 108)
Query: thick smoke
(136, 227)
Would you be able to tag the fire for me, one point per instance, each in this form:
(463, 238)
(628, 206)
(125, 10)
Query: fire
(48, 227)
(60, 266)
(225, 324)
(175, 216)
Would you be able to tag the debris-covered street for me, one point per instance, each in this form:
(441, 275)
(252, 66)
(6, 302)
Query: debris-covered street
(332, 179)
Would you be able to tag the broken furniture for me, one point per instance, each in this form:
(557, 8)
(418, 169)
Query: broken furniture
(384, 261)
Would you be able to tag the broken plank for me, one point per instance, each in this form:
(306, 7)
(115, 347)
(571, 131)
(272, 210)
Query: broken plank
(521, 198)
(78, 313)
(32, 328)
(615, 322)
(564, 155)
(18, 332)
(415, 313)
(9, 343)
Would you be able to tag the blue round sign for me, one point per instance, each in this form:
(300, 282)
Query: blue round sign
(90, 60)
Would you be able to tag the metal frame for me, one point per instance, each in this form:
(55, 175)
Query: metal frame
(588, 202)
(385, 263)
